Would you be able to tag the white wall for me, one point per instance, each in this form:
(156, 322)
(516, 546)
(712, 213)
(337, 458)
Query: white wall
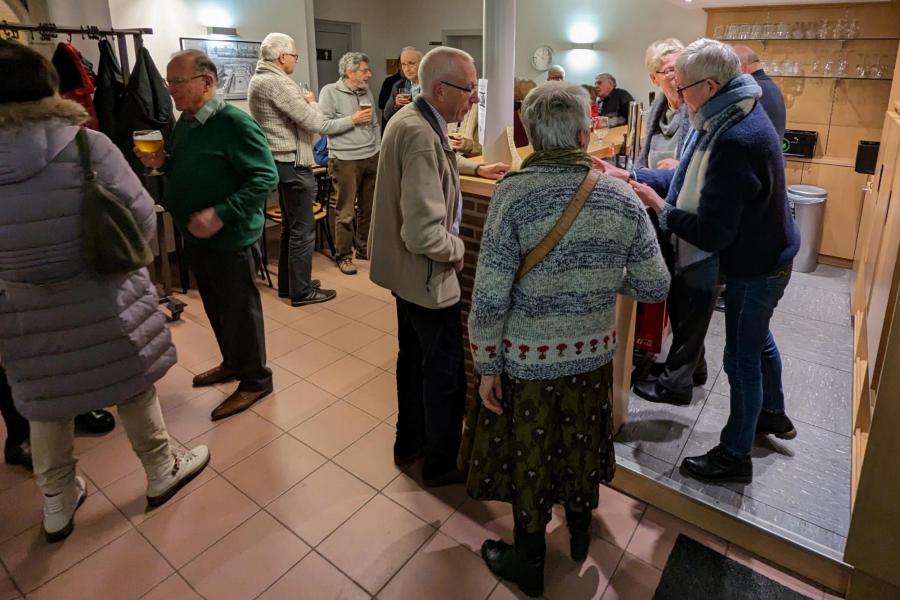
(380, 36)
(172, 19)
(624, 30)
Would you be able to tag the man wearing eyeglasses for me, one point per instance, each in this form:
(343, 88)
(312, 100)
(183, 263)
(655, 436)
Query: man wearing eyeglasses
(290, 118)
(613, 101)
(417, 254)
(407, 89)
(354, 140)
(219, 172)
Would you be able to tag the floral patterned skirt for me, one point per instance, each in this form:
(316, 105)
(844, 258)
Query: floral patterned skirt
(552, 444)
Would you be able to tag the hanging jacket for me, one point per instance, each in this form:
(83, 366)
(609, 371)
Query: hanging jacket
(146, 104)
(76, 79)
(110, 89)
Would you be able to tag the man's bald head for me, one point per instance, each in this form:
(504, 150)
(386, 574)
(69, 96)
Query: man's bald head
(749, 59)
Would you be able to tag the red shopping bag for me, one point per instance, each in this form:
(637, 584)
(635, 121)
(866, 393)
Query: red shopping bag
(651, 327)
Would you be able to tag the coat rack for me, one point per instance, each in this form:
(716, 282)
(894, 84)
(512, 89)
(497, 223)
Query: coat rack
(50, 31)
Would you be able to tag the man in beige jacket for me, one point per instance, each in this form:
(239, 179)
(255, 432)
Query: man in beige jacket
(416, 253)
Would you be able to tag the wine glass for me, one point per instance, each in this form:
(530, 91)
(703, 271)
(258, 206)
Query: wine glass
(149, 141)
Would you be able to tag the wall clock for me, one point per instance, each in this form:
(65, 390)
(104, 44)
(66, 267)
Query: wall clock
(542, 58)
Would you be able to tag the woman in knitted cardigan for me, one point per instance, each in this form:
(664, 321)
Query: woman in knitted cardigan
(667, 121)
(543, 344)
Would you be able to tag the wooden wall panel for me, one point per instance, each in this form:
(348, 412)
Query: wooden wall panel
(843, 207)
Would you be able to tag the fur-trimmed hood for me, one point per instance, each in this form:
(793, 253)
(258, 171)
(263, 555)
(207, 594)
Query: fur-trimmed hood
(32, 134)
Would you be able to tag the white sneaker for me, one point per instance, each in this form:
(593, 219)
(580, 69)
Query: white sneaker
(187, 465)
(59, 511)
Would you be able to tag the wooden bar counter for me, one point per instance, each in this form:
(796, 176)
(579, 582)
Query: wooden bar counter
(477, 193)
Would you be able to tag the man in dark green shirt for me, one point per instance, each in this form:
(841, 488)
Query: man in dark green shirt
(219, 172)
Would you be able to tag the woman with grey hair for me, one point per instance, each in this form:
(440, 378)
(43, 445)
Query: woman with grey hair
(727, 207)
(667, 121)
(543, 340)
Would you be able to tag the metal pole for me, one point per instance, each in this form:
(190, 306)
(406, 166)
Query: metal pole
(499, 68)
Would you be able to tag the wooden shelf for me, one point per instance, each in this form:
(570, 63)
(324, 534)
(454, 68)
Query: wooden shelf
(825, 160)
(806, 39)
(830, 77)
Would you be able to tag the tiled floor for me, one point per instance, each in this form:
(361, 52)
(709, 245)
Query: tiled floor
(801, 487)
(302, 500)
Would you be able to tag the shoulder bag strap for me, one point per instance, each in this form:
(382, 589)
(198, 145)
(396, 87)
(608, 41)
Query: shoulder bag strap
(562, 226)
(84, 153)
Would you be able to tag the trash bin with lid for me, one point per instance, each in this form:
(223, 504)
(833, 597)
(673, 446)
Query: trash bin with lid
(808, 205)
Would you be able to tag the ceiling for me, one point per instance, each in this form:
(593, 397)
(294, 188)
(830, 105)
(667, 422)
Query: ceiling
(731, 3)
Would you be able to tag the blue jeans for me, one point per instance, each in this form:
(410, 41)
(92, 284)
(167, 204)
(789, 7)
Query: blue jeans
(752, 361)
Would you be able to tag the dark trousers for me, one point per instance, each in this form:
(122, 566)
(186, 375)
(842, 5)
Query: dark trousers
(296, 192)
(17, 429)
(354, 181)
(227, 284)
(691, 301)
(431, 382)
(752, 360)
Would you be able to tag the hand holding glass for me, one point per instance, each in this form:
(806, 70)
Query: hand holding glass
(148, 146)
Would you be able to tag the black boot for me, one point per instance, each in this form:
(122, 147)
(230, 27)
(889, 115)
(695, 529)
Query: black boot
(96, 422)
(579, 523)
(522, 564)
(18, 454)
(719, 466)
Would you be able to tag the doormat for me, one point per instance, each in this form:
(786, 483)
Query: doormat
(695, 572)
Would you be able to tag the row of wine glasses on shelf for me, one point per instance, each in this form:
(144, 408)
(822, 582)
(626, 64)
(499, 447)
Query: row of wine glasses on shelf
(824, 29)
(869, 67)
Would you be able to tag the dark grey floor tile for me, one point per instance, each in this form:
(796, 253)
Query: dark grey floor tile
(761, 514)
(637, 460)
(660, 430)
(816, 303)
(825, 277)
(814, 341)
(814, 394)
(808, 477)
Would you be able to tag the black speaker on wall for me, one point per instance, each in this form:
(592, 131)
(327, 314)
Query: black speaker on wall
(866, 156)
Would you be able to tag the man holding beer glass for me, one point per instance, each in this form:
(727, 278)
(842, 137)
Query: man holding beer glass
(218, 175)
(354, 140)
(405, 90)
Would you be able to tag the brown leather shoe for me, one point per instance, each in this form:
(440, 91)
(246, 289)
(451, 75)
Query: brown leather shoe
(237, 402)
(213, 376)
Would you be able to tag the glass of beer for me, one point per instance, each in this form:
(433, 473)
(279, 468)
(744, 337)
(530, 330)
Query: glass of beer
(366, 105)
(149, 141)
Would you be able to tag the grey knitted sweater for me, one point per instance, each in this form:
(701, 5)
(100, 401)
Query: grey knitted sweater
(559, 319)
(288, 120)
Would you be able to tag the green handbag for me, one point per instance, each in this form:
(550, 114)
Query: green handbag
(112, 242)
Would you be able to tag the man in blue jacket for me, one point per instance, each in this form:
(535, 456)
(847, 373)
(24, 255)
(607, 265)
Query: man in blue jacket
(727, 199)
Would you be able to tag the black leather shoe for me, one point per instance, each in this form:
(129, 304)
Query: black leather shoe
(18, 454)
(314, 283)
(449, 477)
(719, 466)
(778, 425)
(96, 422)
(315, 296)
(652, 391)
(362, 255)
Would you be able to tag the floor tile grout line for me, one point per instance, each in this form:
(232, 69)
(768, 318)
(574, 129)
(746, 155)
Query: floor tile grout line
(309, 551)
(433, 535)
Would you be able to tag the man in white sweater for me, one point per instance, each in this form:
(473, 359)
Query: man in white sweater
(290, 119)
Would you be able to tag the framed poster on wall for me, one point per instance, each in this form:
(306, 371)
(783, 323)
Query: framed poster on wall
(234, 59)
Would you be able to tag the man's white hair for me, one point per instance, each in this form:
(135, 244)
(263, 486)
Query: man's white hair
(554, 113)
(275, 45)
(438, 64)
(708, 59)
(352, 61)
(559, 68)
(412, 49)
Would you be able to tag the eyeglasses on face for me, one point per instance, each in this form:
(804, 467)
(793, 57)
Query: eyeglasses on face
(682, 89)
(667, 73)
(296, 56)
(467, 90)
(179, 81)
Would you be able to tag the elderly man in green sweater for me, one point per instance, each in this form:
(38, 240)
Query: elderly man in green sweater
(219, 171)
